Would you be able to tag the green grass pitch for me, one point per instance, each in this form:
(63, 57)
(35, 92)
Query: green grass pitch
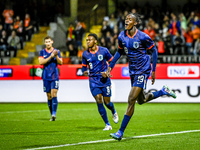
(27, 126)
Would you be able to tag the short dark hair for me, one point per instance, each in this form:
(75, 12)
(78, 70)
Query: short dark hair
(48, 37)
(94, 35)
(137, 17)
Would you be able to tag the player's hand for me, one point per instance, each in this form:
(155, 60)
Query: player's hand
(55, 52)
(85, 73)
(52, 55)
(153, 77)
(104, 74)
(108, 72)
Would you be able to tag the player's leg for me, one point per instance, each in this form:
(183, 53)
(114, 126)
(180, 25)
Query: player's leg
(133, 95)
(142, 98)
(54, 90)
(102, 111)
(49, 102)
(106, 92)
(47, 89)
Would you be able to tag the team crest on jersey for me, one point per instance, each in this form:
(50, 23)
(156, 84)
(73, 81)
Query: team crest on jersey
(100, 57)
(135, 45)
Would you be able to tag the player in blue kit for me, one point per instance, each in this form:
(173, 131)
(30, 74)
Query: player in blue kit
(96, 58)
(136, 44)
(50, 58)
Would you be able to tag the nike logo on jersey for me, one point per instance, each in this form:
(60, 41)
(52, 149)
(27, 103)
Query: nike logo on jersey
(45, 56)
(88, 59)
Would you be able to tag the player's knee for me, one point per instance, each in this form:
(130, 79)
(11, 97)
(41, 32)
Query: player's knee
(131, 99)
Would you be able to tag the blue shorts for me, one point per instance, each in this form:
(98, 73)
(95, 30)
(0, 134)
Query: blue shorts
(48, 85)
(139, 80)
(105, 91)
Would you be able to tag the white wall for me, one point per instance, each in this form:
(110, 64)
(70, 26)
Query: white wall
(78, 90)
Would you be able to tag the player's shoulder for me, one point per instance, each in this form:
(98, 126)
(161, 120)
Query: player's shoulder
(101, 48)
(122, 33)
(85, 52)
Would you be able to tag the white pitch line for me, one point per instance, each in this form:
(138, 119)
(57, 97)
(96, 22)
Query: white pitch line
(10, 112)
(107, 140)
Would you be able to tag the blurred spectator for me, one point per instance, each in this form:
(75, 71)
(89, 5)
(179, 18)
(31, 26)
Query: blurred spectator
(191, 17)
(161, 48)
(120, 22)
(80, 54)
(195, 34)
(150, 31)
(8, 15)
(197, 47)
(195, 21)
(112, 21)
(13, 42)
(164, 31)
(166, 21)
(175, 25)
(179, 42)
(168, 44)
(189, 40)
(16, 22)
(28, 27)
(78, 32)
(70, 34)
(10, 29)
(112, 50)
(183, 21)
(102, 42)
(1, 29)
(105, 28)
(3, 41)
(20, 33)
(73, 54)
(108, 39)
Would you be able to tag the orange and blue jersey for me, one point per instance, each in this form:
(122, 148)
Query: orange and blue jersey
(50, 70)
(97, 63)
(136, 48)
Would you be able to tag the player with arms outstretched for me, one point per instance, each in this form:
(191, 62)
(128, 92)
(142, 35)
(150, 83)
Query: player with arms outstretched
(50, 58)
(136, 44)
(96, 58)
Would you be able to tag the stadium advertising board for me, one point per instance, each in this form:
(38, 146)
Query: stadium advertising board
(120, 71)
(188, 91)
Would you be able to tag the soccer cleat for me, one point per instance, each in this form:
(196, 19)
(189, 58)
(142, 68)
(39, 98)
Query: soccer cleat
(117, 136)
(115, 117)
(168, 92)
(53, 118)
(107, 127)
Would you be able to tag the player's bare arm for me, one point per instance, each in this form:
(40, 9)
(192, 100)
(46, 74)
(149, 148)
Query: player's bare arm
(153, 77)
(43, 61)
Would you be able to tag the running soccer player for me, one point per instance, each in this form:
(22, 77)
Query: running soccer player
(49, 58)
(136, 44)
(96, 58)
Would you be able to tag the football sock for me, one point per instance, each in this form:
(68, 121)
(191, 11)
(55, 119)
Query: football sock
(103, 113)
(54, 105)
(50, 105)
(124, 123)
(111, 107)
(157, 94)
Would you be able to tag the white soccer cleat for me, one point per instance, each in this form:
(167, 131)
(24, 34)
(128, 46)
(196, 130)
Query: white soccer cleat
(107, 127)
(53, 118)
(115, 118)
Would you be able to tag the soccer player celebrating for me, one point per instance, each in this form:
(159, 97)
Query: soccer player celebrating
(49, 58)
(96, 58)
(136, 44)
